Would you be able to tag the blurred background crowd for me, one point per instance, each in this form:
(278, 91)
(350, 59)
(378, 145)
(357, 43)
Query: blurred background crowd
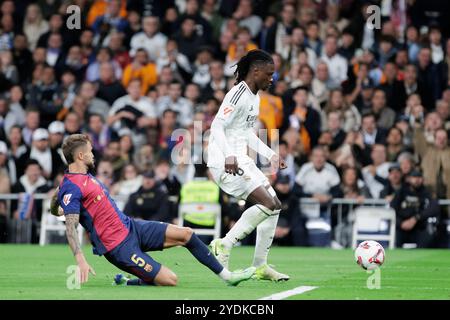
(361, 112)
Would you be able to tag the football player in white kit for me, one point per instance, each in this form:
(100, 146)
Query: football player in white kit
(236, 173)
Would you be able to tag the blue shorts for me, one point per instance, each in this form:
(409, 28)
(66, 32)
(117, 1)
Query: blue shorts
(130, 255)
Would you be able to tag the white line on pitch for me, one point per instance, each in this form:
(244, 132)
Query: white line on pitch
(285, 294)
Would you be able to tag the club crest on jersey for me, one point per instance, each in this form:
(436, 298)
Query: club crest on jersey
(228, 110)
(98, 198)
(66, 199)
(148, 267)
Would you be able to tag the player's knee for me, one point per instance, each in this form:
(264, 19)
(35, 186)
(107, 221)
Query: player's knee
(166, 278)
(169, 282)
(272, 204)
(277, 204)
(172, 280)
(187, 235)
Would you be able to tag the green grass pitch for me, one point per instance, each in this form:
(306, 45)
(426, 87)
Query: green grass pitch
(33, 272)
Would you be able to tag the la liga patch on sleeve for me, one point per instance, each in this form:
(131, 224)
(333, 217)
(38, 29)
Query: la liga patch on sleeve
(228, 110)
(66, 199)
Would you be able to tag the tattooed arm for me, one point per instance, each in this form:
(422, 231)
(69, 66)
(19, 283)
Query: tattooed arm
(72, 234)
(74, 243)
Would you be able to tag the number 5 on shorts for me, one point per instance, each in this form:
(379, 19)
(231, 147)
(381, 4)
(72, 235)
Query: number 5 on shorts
(137, 260)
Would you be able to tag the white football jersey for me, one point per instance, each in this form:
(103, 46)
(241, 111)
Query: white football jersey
(239, 110)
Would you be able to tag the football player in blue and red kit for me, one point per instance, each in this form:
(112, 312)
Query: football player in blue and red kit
(81, 198)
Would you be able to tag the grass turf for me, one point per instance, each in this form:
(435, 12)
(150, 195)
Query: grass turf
(33, 272)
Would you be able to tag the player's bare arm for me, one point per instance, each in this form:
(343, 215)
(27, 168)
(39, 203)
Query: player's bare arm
(72, 234)
(72, 221)
(260, 147)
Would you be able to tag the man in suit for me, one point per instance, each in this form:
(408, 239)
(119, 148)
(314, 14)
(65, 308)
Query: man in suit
(372, 134)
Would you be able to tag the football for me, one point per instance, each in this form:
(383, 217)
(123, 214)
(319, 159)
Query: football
(369, 255)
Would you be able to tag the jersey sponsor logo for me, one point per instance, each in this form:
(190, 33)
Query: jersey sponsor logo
(251, 121)
(66, 199)
(228, 110)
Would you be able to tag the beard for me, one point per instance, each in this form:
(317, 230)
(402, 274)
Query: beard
(91, 167)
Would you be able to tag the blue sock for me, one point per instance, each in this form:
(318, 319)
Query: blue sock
(201, 252)
(136, 282)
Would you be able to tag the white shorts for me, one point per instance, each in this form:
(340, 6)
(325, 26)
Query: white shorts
(240, 186)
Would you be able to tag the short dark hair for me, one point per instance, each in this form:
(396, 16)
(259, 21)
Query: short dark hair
(312, 23)
(72, 143)
(396, 129)
(215, 100)
(107, 50)
(368, 114)
(32, 162)
(175, 81)
(243, 30)
(300, 88)
(169, 111)
(31, 108)
(135, 80)
(91, 115)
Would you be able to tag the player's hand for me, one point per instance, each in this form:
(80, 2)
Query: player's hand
(85, 268)
(231, 165)
(277, 162)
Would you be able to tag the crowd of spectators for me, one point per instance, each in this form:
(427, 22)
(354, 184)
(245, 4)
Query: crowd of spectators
(362, 112)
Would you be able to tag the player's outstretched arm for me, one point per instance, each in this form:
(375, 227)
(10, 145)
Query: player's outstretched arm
(255, 143)
(72, 237)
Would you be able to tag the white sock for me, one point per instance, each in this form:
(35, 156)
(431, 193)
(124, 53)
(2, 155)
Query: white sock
(251, 217)
(264, 238)
(225, 274)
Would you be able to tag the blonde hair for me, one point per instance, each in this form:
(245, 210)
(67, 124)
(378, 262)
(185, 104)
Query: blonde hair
(39, 17)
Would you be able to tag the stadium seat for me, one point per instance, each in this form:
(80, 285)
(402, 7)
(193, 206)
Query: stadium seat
(319, 232)
(50, 223)
(198, 209)
(374, 223)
